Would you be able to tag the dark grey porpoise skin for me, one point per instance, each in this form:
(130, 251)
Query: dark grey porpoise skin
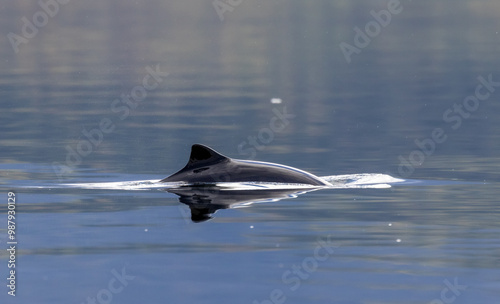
(207, 166)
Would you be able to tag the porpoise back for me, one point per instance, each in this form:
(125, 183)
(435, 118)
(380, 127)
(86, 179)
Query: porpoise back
(207, 166)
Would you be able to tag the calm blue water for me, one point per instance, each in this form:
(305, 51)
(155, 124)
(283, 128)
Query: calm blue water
(114, 91)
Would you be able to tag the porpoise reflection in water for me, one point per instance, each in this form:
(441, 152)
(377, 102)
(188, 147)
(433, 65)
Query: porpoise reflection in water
(204, 201)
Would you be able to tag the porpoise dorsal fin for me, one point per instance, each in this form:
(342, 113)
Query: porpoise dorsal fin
(202, 155)
(207, 166)
(201, 158)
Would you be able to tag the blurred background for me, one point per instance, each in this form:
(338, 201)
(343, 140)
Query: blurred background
(226, 64)
(349, 85)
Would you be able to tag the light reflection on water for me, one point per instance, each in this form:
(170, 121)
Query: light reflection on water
(394, 245)
(407, 232)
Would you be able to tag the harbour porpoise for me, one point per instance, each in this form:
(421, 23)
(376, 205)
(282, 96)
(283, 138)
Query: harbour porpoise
(207, 166)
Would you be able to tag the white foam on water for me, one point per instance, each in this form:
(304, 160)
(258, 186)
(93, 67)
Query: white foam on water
(346, 181)
(125, 185)
(362, 180)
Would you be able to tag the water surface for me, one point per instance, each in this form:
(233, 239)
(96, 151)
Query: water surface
(79, 107)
